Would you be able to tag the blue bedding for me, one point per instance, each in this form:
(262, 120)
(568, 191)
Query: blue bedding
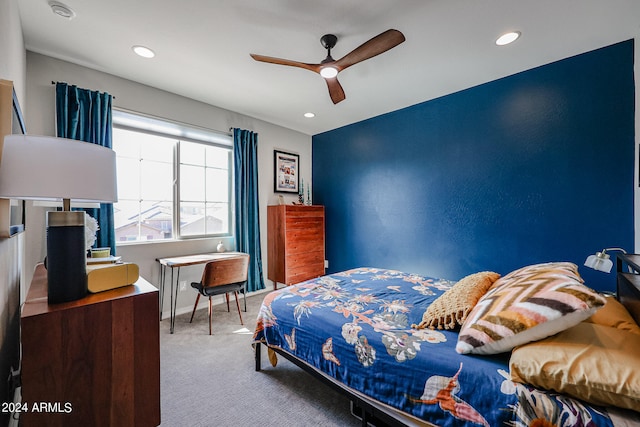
(355, 326)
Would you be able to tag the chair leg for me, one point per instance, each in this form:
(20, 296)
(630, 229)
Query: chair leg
(210, 313)
(244, 296)
(194, 308)
(227, 297)
(235, 293)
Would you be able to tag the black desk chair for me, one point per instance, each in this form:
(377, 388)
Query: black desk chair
(221, 277)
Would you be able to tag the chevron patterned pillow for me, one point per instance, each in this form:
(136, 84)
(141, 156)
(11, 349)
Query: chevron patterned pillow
(526, 305)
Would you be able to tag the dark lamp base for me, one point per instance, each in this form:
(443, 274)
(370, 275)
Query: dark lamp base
(66, 256)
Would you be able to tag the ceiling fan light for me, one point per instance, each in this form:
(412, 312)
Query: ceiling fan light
(328, 72)
(507, 38)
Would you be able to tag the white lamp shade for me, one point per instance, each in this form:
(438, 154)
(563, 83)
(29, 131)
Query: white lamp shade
(49, 168)
(600, 263)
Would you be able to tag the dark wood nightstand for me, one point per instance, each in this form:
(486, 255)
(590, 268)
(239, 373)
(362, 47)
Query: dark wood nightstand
(628, 282)
(94, 361)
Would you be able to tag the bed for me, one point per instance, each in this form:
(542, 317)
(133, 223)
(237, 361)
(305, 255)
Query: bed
(366, 332)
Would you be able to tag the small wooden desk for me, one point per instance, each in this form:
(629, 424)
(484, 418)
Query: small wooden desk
(184, 261)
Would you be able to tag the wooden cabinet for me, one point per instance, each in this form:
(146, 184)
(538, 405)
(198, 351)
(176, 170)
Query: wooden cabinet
(95, 361)
(295, 243)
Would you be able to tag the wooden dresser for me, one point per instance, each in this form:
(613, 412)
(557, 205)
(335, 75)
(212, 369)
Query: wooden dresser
(94, 361)
(295, 240)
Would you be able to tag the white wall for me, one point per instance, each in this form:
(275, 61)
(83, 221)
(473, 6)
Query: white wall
(12, 266)
(42, 70)
(12, 53)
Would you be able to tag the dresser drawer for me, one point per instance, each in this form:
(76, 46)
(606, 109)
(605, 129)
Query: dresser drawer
(301, 223)
(297, 275)
(311, 258)
(305, 244)
(304, 211)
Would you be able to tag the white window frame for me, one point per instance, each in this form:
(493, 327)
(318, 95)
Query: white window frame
(139, 122)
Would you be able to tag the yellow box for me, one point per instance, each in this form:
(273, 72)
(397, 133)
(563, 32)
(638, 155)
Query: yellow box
(102, 277)
(100, 252)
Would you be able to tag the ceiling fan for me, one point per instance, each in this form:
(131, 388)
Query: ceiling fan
(329, 67)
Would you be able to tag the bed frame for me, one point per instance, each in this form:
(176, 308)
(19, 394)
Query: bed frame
(367, 410)
(373, 413)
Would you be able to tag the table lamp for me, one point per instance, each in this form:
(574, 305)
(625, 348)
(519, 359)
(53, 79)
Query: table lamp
(49, 168)
(601, 261)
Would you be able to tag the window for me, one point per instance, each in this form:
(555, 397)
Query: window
(205, 189)
(174, 181)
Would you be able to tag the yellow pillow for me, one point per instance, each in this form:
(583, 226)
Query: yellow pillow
(615, 315)
(451, 308)
(591, 362)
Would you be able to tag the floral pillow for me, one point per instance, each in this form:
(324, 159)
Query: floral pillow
(526, 305)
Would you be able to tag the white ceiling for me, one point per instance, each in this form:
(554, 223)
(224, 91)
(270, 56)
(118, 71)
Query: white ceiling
(202, 47)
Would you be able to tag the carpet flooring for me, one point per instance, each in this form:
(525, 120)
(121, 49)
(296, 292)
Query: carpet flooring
(211, 380)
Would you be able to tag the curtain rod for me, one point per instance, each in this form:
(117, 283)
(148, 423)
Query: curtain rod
(53, 83)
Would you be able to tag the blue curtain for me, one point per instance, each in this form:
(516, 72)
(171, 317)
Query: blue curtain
(245, 150)
(86, 116)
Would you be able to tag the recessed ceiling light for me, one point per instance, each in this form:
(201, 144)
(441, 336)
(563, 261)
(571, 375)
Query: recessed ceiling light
(61, 9)
(145, 52)
(309, 115)
(508, 38)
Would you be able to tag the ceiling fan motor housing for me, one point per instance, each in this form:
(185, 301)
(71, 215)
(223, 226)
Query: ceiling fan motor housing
(328, 41)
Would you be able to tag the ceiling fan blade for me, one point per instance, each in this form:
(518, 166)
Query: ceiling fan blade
(377, 45)
(335, 90)
(312, 67)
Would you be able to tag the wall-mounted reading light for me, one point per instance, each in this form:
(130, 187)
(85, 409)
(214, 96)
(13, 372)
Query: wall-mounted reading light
(601, 261)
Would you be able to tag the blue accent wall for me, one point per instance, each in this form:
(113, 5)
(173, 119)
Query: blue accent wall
(534, 167)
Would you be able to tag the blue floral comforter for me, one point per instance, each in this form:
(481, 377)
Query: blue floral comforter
(356, 327)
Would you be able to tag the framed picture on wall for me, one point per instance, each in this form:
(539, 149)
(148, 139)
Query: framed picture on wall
(287, 172)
